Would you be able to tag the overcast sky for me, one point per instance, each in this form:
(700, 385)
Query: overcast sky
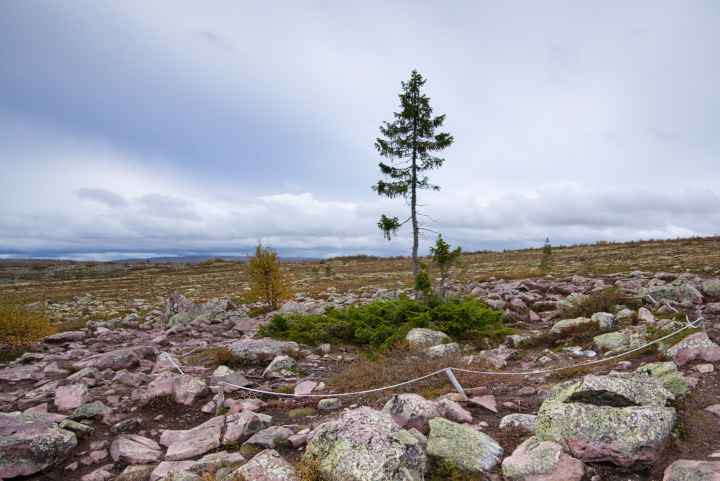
(136, 127)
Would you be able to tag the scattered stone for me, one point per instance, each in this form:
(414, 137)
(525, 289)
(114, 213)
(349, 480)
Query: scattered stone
(188, 388)
(454, 412)
(135, 449)
(116, 360)
(270, 438)
(240, 426)
(695, 346)
(610, 341)
(224, 374)
(680, 292)
(193, 442)
(605, 320)
(70, 397)
(714, 409)
(262, 350)
(411, 411)
(487, 401)
(644, 315)
(497, 358)
(460, 445)
(365, 444)
(165, 468)
(443, 350)
(711, 288)
(619, 418)
(579, 325)
(136, 472)
(278, 365)
(519, 421)
(97, 475)
(541, 461)
(704, 368)
(126, 425)
(421, 338)
(212, 462)
(667, 373)
(64, 337)
(329, 404)
(268, 465)
(305, 387)
(686, 470)
(93, 410)
(80, 429)
(30, 443)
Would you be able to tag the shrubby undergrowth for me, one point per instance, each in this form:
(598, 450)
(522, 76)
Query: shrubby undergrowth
(381, 323)
(19, 329)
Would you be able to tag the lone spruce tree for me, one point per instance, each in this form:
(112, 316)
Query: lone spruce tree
(410, 142)
(444, 258)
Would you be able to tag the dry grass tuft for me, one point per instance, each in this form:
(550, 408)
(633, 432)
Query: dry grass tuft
(20, 327)
(309, 470)
(392, 367)
(213, 357)
(605, 300)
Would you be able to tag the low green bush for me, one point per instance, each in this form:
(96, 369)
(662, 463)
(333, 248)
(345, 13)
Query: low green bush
(381, 323)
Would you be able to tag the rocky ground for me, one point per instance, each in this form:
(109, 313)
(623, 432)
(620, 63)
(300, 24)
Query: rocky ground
(154, 393)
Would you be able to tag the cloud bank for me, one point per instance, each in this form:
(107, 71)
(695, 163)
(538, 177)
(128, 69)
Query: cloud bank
(185, 127)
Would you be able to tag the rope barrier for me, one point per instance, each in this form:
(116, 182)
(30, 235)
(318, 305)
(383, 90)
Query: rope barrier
(450, 370)
(329, 395)
(581, 365)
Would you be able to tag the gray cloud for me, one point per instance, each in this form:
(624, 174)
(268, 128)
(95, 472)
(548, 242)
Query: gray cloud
(105, 197)
(195, 126)
(165, 206)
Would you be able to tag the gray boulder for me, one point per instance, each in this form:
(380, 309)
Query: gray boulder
(468, 449)
(443, 350)
(605, 320)
(611, 341)
(268, 465)
(420, 338)
(669, 375)
(134, 449)
(620, 418)
(678, 292)
(64, 337)
(534, 460)
(278, 365)
(412, 411)
(525, 422)
(30, 443)
(193, 442)
(272, 437)
(118, 359)
(213, 433)
(686, 470)
(366, 445)
(262, 350)
(189, 312)
(711, 288)
(695, 346)
(579, 325)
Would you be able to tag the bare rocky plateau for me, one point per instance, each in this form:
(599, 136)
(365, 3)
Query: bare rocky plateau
(131, 397)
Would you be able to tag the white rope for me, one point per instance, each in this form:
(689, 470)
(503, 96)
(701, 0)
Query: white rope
(689, 325)
(581, 365)
(330, 395)
(172, 361)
